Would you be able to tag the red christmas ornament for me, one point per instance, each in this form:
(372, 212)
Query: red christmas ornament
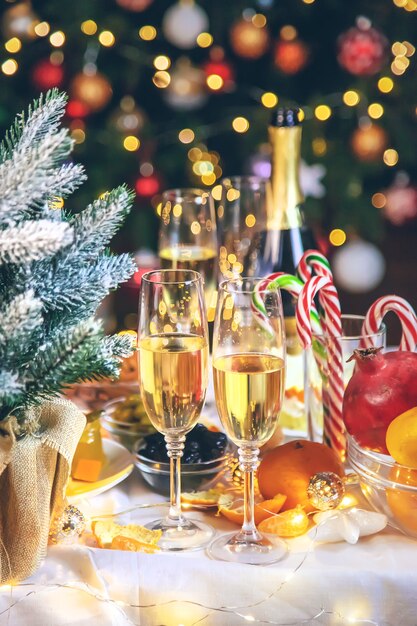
(134, 5)
(290, 56)
(147, 186)
(362, 49)
(401, 203)
(46, 75)
(368, 143)
(76, 109)
(221, 68)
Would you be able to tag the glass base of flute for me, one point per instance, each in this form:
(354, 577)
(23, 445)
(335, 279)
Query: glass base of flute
(179, 532)
(248, 545)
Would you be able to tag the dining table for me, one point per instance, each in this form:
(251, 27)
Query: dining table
(372, 582)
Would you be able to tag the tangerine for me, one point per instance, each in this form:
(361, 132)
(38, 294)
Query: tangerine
(288, 468)
(401, 438)
(402, 503)
(290, 523)
(262, 511)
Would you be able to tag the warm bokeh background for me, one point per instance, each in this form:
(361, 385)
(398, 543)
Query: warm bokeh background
(166, 94)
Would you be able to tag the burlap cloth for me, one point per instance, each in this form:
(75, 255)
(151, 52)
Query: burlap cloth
(35, 462)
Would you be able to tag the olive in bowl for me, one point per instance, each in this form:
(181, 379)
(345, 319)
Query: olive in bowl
(205, 455)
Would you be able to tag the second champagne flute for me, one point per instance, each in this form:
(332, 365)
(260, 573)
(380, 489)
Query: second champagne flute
(248, 370)
(173, 375)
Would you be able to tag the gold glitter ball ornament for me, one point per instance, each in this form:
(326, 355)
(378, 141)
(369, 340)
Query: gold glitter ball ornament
(67, 526)
(325, 490)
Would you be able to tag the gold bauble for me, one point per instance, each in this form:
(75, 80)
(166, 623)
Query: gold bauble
(325, 490)
(19, 21)
(368, 143)
(249, 41)
(94, 91)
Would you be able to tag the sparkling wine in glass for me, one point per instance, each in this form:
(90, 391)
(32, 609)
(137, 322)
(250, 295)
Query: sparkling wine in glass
(188, 238)
(173, 376)
(248, 371)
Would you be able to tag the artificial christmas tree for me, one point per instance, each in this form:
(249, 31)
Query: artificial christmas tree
(54, 271)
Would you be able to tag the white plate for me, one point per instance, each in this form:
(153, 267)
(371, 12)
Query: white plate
(117, 467)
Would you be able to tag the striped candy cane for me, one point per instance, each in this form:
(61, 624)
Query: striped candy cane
(313, 261)
(333, 399)
(405, 313)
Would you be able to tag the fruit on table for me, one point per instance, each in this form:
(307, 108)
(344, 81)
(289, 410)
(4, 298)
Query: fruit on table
(382, 387)
(403, 504)
(291, 523)
(201, 445)
(89, 456)
(401, 438)
(262, 511)
(131, 537)
(288, 468)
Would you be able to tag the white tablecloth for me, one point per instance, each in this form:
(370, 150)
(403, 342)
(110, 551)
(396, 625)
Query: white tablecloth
(372, 582)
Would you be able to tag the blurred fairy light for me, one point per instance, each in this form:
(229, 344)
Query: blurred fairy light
(56, 57)
(214, 82)
(308, 1)
(194, 154)
(269, 99)
(161, 79)
(42, 29)
(131, 143)
(162, 62)
(375, 110)
(351, 98)
(337, 237)
(89, 27)
(57, 39)
(398, 49)
(288, 33)
(13, 45)
(390, 157)
(147, 33)
(319, 145)
(322, 112)
(9, 67)
(78, 135)
(259, 20)
(385, 84)
(240, 124)
(250, 220)
(204, 40)
(107, 39)
(186, 135)
(379, 200)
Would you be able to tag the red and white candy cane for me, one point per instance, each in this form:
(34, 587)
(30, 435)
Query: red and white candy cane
(313, 261)
(405, 313)
(333, 420)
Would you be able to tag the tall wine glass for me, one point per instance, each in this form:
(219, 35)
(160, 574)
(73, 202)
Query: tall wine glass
(188, 238)
(241, 222)
(173, 376)
(248, 370)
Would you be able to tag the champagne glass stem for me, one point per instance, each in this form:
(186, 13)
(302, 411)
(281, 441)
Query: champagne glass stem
(175, 450)
(248, 457)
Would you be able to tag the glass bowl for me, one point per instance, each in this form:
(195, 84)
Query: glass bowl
(130, 430)
(390, 488)
(92, 396)
(194, 476)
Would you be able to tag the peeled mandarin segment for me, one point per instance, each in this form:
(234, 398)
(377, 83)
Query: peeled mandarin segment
(291, 523)
(209, 497)
(133, 545)
(263, 510)
(401, 438)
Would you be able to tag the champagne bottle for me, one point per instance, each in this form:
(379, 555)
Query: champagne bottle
(286, 238)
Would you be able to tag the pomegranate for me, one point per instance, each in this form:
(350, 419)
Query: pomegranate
(382, 387)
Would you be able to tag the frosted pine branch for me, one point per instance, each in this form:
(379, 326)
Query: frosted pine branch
(43, 118)
(10, 387)
(119, 345)
(20, 317)
(28, 179)
(97, 224)
(33, 240)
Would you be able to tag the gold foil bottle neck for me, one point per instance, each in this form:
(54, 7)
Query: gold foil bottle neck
(284, 193)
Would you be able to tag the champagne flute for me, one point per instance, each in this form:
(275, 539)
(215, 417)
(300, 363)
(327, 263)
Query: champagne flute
(188, 237)
(173, 376)
(241, 222)
(248, 370)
